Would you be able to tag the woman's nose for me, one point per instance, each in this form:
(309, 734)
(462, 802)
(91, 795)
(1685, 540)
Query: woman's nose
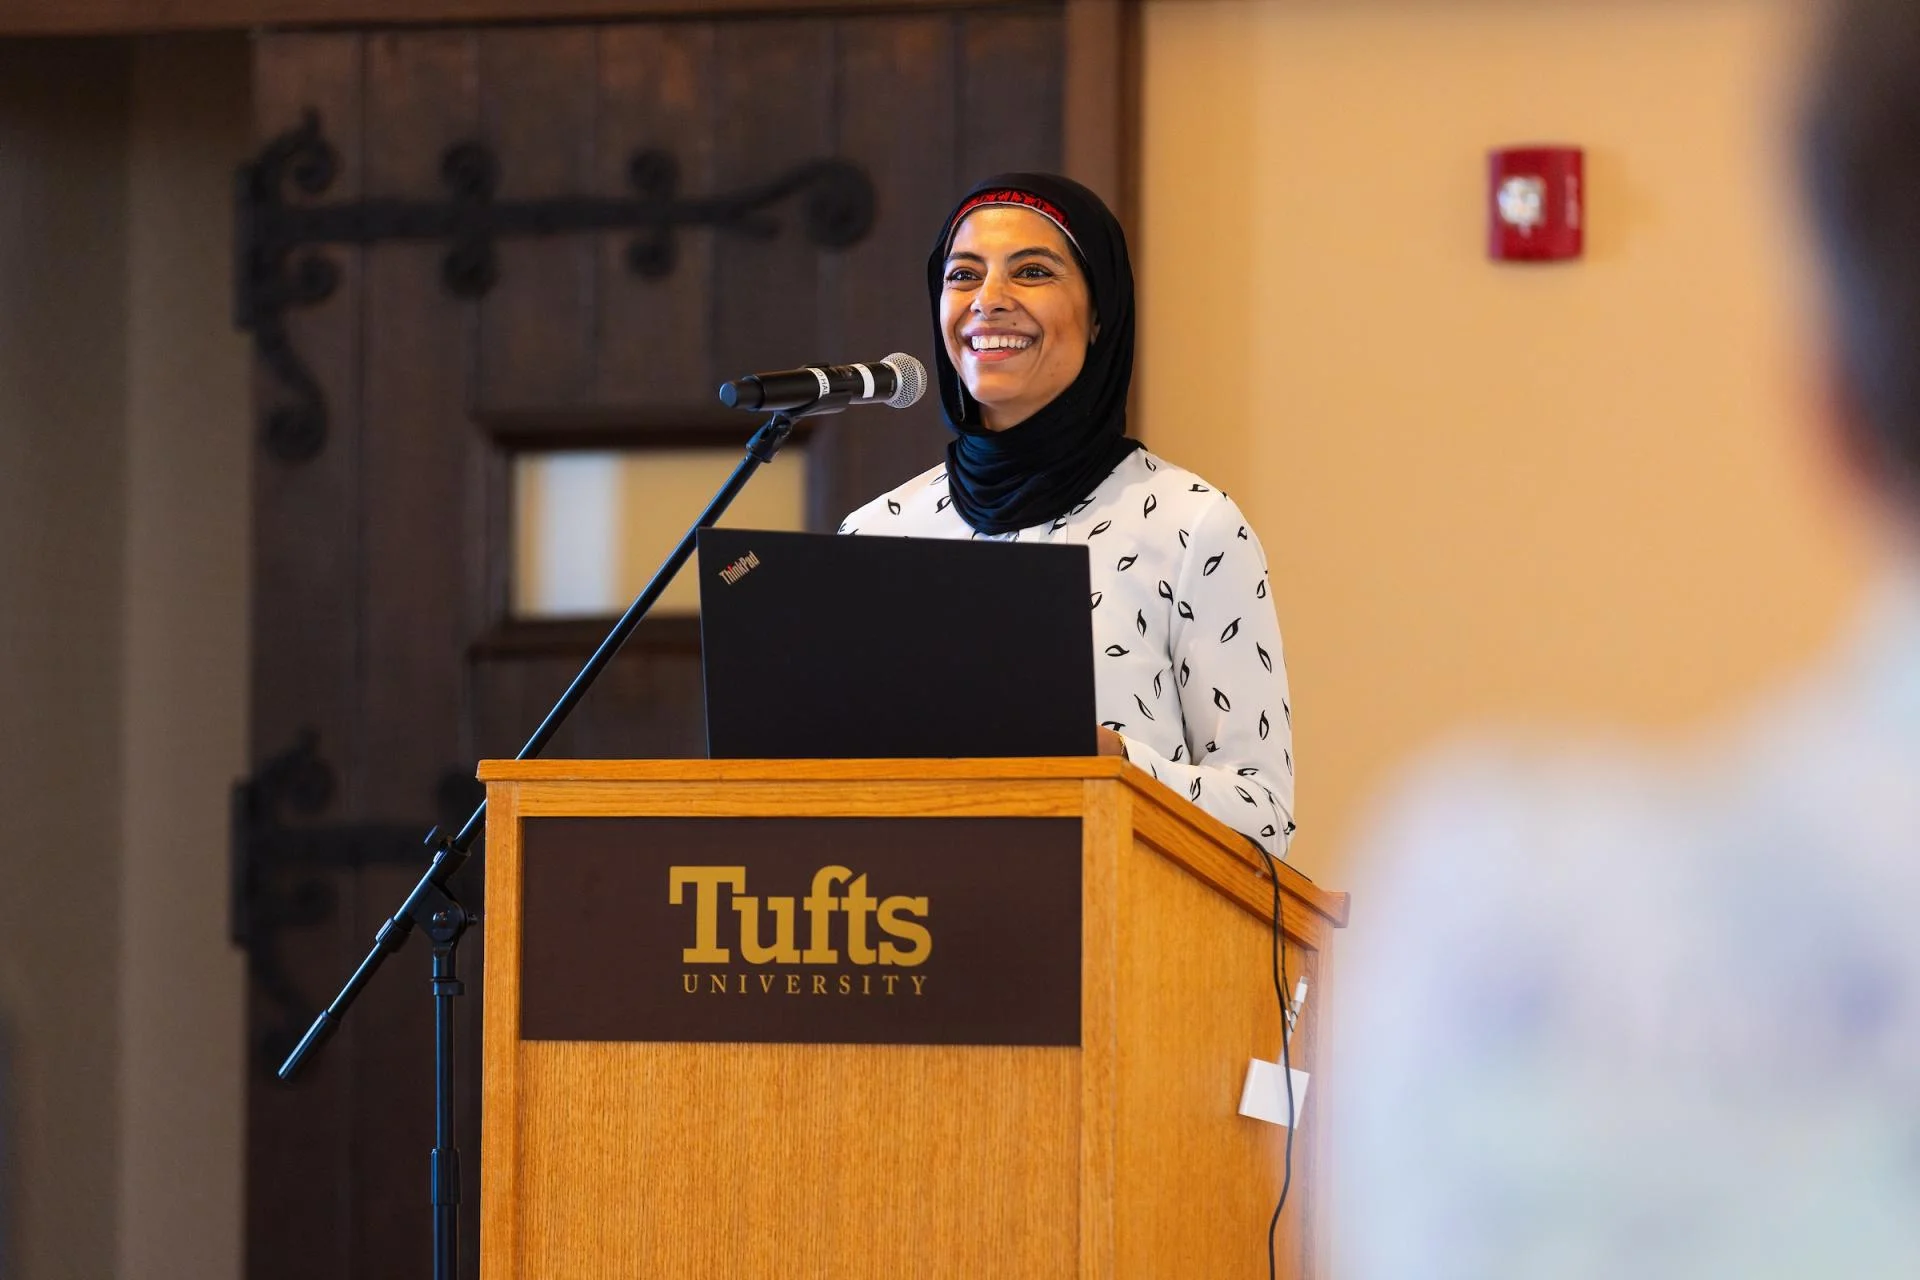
(991, 296)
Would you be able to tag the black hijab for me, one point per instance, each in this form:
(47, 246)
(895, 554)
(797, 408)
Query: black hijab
(1040, 469)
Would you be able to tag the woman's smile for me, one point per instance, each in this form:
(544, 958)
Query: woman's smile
(989, 346)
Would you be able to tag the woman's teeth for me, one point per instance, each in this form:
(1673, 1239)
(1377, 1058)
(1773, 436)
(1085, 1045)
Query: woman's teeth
(999, 342)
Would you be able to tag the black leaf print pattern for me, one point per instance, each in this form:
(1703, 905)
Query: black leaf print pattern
(1260, 592)
(1266, 659)
(1212, 747)
(1242, 535)
(1213, 562)
(1219, 700)
(847, 531)
(1157, 686)
(1248, 771)
(1286, 709)
(1114, 651)
(939, 479)
(1233, 629)
(1264, 726)
(1198, 488)
(1100, 528)
(1154, 769)
(1165, 589)
(893, 508)
(1082, 505)
(1183, 539)
(1114, 725)
(1147, 507)
(1126, 563)
(1140, 620)
(1289, 759)
(1098, 596)
(1184, 673)
(1141, 703)
(1185, 610)
(1178, 752)
(1246, 795)
(1151, 464)
(1193, 792)
(1267, 831)
(946, 500)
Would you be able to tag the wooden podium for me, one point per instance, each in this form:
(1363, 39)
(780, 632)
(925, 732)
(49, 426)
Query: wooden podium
(1105, 947)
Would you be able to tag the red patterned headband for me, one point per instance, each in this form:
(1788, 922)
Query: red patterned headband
(1019, 199)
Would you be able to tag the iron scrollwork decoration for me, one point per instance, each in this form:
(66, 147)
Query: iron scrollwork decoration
(277, 238)
(285, 870)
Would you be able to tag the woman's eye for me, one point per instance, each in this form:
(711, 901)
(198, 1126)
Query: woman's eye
(959, 275)
(1034, 273)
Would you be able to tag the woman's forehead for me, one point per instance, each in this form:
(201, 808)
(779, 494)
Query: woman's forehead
(997, 230)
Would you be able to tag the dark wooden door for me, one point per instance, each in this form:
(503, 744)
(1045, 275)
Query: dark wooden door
(385, 662)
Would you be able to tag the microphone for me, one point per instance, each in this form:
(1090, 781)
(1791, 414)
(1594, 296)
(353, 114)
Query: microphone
(897, 381)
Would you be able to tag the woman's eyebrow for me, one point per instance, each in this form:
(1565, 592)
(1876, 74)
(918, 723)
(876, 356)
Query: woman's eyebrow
(1037, 251)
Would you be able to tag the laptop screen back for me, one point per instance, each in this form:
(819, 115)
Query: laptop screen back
(822, 647)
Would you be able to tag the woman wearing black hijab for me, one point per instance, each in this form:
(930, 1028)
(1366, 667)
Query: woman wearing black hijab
(1033, 319)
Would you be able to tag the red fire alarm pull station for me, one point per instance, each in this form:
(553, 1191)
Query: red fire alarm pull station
(1536, 206)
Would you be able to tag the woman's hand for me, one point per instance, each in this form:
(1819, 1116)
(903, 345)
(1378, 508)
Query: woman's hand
(1111, 743)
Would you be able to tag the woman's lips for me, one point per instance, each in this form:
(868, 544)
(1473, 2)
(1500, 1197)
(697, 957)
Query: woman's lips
(997, 355)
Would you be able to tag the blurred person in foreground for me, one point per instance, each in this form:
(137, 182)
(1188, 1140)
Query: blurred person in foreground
(1660, 1016)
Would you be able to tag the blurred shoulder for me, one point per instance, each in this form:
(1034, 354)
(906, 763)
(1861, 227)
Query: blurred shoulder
(1515, 822)
(1794, 814)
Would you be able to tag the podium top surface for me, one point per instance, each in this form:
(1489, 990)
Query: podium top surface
(1329, 904)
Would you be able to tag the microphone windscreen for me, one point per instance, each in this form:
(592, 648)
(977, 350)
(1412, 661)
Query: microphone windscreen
(910, 380)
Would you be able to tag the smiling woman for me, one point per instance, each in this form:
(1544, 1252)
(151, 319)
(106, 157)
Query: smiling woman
(1016, 312)
(1032, 295)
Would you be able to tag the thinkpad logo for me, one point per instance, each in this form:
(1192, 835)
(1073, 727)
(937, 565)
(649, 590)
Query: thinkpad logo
(740, 568)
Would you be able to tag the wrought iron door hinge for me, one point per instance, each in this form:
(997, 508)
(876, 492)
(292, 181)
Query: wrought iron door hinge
(278, 870)
(278, 223)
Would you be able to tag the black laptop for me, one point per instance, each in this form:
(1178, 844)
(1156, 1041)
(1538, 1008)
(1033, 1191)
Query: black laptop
(819, 647)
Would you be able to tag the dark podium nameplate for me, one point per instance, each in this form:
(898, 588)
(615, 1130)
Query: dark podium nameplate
(801, 930)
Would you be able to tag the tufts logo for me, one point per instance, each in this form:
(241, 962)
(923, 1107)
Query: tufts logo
(740, 568)
(877, 933)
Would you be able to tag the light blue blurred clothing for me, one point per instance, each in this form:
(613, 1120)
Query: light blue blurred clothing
(1612, 1013)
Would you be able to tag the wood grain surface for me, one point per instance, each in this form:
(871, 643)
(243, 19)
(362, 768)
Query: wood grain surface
(1196, 1181)
(796, 1161)
(500, 1039)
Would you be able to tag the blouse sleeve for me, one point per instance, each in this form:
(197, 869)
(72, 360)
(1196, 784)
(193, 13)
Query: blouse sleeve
(1231, 678)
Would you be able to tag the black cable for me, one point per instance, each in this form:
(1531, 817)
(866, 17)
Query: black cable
(1286, 1057)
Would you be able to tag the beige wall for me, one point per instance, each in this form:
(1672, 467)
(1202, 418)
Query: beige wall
(183, 665)
(62, 536)
(1581, 494)
(122, 661)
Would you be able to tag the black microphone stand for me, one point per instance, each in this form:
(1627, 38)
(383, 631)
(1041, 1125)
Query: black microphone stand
(434, 909)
